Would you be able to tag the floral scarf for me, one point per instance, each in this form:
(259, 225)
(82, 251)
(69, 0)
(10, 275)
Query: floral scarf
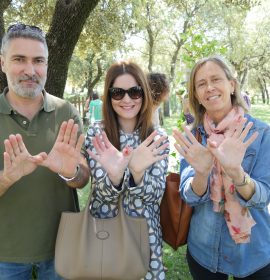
(223, 193)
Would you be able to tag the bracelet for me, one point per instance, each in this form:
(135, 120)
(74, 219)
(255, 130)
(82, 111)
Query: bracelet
(246, 181)
(72, 178)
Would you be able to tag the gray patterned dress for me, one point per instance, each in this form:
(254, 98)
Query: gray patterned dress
(138, 200)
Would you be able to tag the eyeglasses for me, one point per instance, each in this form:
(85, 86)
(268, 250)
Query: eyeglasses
(119, 93)
(21, 26)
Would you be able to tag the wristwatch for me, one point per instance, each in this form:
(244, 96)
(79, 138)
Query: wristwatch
(245, 182)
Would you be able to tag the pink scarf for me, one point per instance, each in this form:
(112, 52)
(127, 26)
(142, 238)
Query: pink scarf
(238, 218)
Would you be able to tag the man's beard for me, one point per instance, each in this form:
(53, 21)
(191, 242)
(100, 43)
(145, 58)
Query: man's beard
(27, 92)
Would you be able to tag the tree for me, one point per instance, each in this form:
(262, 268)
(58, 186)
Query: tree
(102, 36)
(3, 6)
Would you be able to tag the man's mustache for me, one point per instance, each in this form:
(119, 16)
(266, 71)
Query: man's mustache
(33, 78)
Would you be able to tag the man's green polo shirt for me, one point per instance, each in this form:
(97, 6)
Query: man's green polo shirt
(30, 210)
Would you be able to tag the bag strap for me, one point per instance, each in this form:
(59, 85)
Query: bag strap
(87, 206)
(198, 135)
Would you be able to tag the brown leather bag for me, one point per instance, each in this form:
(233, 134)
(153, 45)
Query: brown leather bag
(175, 214)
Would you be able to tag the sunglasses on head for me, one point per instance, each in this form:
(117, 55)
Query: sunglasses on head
(119, 93)
(21, 26)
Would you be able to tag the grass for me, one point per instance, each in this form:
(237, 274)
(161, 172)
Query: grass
(261, 111)
(175, 261)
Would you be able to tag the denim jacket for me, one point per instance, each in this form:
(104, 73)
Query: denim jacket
(209, 241)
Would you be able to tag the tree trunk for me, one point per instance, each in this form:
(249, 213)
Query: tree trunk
(3, 6)
(262, 90)
(166, 108)
(151, 48)
(91, 83)
(243, 78)
(266, 94)
(67, 23)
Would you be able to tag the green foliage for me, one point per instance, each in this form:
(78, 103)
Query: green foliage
(38, 12)
(199, 45)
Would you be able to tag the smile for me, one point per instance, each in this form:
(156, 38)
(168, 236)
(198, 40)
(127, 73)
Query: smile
(127, 107)
(213, 97)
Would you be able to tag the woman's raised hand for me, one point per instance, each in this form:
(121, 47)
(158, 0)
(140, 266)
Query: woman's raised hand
(113, 161)
(198, 156)
(147, 153)
(231, 151)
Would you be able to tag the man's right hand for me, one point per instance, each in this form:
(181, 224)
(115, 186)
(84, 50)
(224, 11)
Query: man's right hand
(17, 162)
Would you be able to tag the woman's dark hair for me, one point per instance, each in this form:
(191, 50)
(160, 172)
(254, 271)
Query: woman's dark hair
(144, 118)
(159, 85)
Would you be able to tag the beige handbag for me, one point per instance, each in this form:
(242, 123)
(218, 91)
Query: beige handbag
(108, 249)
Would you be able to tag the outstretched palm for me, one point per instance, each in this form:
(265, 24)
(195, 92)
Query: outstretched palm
(231, 151)
(17, 161)
(65, 154)
(195, 154)
(113, 161)
(147, 153)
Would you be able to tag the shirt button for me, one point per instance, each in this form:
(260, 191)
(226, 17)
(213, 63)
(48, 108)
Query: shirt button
(24, 122)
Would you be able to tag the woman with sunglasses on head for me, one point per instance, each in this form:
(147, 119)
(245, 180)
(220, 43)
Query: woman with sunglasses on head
(226, 178)
(127, 157)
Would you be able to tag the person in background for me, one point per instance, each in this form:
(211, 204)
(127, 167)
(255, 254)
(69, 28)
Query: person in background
(138, 173)
(246, 97)
(185, 108)
(86, 111)
(41, 161)
(95, 109)
(225, 178)
(160, 92)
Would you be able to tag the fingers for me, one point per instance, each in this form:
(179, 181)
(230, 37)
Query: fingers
(238, 128)
(61, 133)
(161, 148)
(185, 143)
(149, 139)
(92, 155)
(182, 140)
(20, 143)
(157, 142)
(68, 132)
(14, 146)
(79, 143)
(251, 139)
(244, 132)
(161, 157)
(98, 144)
(190, 136)
(180, 150)
(39, 159)
(70, 135)
(7, 161)
(106, 140)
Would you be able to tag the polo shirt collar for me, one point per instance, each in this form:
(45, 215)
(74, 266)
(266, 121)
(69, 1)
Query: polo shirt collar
(5, 107)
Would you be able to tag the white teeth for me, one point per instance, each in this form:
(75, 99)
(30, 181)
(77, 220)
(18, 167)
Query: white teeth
(213, 97)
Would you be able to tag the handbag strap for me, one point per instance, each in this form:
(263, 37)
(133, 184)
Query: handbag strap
(198, 135)
(87, 206)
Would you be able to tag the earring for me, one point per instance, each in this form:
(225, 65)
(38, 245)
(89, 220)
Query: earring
(232, 93)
